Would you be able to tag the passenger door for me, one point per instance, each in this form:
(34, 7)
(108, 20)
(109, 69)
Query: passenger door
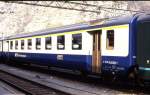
(96, 57)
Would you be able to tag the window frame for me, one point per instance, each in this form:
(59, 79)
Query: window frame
(28, 45)
(108, 41)
(38, 42)
(16, 44)
(46, 43)
(73, 43)
(11, 45)
(59, 42)
(23, 44)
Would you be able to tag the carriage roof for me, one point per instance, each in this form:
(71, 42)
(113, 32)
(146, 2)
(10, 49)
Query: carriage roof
(75, 27)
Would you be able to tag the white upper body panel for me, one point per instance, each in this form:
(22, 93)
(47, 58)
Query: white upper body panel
(121, 43)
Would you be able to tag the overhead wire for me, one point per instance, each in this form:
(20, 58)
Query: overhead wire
(35, 3)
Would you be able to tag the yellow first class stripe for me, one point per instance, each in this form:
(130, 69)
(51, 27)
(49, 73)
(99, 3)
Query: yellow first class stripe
(75, 32)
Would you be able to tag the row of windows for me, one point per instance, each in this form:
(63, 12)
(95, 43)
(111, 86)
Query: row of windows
(76, 43)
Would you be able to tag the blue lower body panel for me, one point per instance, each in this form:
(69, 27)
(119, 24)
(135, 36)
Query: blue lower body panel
(116, 65)
(119, 65)
(74, 62)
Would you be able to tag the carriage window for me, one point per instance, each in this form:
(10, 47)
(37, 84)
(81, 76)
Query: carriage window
(29, 44)
(48, 44)
(38, 43)
(22, 44)
(11, 44)
(77, 41)
(110, 40)
(16, 44)
(61, 42)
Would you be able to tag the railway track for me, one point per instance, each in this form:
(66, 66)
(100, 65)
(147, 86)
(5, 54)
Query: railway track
(28, 87)
(72, 84)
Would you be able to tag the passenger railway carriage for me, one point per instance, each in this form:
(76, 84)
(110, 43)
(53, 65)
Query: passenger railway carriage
(118, 47)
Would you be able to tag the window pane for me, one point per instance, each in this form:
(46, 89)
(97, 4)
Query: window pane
(38, 43)
(48, 45)
(61, 42)
(22, 44)
(77, 41)
(11, 44)
(110, 39)
(29, 44)
(16, 44)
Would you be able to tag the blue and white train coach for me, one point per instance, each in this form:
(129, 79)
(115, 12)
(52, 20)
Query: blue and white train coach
(117, 47)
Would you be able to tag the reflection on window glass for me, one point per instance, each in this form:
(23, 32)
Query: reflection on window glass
(22, 44)
(29, 44)
(38, 43)
(77, 41)
(110, 40)
(48, 45)
(61, 42)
